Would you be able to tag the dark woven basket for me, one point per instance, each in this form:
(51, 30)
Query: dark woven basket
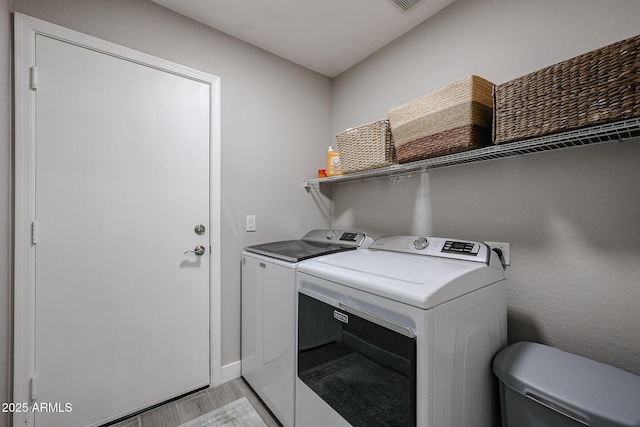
(452, 141)
(594, 88)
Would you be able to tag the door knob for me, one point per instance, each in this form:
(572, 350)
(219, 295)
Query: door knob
(199, 250)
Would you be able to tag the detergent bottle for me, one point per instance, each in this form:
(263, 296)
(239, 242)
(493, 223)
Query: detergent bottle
(333, 162)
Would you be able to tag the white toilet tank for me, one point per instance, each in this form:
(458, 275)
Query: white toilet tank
(542, 386)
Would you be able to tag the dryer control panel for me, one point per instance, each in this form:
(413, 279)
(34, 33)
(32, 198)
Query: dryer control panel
(435, 246)
(457, 247)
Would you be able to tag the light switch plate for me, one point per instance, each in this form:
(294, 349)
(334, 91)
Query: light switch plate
(251, 223)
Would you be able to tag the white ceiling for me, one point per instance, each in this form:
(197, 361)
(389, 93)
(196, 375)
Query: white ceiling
(327, 36)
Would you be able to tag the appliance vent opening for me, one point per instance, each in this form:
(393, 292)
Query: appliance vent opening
(406, 4)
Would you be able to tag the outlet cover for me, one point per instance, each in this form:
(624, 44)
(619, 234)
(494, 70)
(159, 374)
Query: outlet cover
(506, 251)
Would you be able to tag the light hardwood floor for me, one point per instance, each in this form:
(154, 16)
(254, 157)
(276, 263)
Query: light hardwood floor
(174, 413)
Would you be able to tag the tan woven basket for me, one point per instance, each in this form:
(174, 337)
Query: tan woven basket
(594, 88)
(453, 119)
(365, 147)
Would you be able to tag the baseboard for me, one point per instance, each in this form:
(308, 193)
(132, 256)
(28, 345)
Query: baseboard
(230, 372)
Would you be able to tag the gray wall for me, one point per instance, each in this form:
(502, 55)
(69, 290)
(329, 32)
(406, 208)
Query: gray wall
(275, 130)
(571, 216)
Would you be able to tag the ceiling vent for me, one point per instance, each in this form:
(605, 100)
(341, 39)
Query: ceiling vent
(406, 4)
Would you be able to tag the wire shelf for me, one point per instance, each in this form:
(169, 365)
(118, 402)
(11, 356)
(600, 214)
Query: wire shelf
(616, 131)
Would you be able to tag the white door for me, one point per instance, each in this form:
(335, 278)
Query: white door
(121, 182)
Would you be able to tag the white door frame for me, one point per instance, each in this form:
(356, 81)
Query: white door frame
(25, 30)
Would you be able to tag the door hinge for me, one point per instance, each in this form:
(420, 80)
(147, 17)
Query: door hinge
(35, 232)
(33, 388)
(33, 77)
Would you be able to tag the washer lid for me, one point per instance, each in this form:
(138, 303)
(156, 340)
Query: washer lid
(312, 244)
(296, 250)
(417, 280)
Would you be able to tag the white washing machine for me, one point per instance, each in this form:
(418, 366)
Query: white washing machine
(400, 334)
(269, 310)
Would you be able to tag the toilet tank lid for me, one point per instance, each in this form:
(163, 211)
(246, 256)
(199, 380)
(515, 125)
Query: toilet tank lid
(601, 394)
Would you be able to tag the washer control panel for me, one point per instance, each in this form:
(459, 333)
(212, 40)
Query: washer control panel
(339, 237)
(349, 237)
(434, 246)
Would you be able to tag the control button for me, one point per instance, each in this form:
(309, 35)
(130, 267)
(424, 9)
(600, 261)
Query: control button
(331, 235)
(420, 243)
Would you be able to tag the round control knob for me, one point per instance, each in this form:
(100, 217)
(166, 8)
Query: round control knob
(331, 235)
(420, 243)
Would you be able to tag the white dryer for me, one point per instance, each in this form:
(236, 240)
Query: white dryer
(269, 309)
(400, 334)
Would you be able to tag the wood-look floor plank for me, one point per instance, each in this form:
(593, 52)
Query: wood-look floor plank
(174, 413)
(194, 405)
(225, 394)
(130, 422)
(162, 416)
(266, 415)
